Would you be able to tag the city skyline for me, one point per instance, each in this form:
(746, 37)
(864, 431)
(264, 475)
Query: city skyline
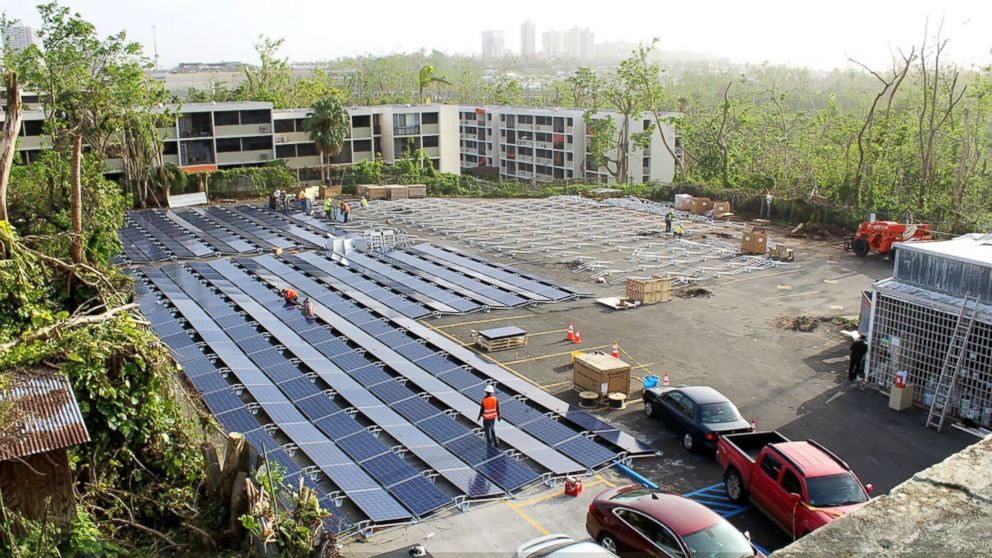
(763, 31)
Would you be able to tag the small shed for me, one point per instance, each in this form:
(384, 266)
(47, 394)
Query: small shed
(44, 420)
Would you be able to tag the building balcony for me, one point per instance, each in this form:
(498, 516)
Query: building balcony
(303, 162)
(406, 131)
(115, 165)
(25, 143)
(170, 159)
(167, 133)
(363, 156)
(233, 157)
(430, 129)
(292, 137)
(361, 133)
(242, 130)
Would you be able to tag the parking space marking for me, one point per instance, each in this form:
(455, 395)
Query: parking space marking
(485, 356)
(530, 520)
(554, 494)
(603, 479)
(792, 295)
(542, 357)
(500, 319)
(715, 497)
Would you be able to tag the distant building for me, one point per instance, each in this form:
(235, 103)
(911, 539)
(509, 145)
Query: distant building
(571, 43)
(18, 37)
(493, 45)
(198, 67)
(528, 39)
(552, 44)
(587, 45)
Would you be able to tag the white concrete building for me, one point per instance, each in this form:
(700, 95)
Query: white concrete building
(528, 39)
(549, 144)
(493, 45)
(552, 44)
(18, 37)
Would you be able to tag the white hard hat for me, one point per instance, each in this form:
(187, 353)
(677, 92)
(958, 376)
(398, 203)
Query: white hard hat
(490, 389)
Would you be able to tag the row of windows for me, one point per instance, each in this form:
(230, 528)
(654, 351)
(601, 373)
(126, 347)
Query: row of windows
(237, 117)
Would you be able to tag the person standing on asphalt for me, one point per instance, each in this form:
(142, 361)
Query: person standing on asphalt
(489, 414)
(858, 351)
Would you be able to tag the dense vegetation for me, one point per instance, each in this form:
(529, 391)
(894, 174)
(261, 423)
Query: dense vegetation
(915, 136)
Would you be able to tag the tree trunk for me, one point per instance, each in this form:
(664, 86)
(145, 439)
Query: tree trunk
(722, 140)
(961, 179)
(8, 139)
(78, 256)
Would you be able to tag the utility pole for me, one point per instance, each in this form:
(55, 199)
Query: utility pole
(155, 46)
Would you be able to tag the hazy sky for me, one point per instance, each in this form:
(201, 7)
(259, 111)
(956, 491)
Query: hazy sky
(818, 34)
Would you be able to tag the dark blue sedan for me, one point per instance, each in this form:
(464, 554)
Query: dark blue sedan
(699, 413)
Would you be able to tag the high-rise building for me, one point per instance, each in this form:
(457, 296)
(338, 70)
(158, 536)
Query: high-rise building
(552, 44)
(18, 37)
(571, 43)
(528, 39)
(493, 45)
(587, 45)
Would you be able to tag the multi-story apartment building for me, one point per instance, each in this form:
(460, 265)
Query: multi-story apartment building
(18, 37)
(552, 44)
(528, 39)
(538, 144)
(493, 45)
(548, 144)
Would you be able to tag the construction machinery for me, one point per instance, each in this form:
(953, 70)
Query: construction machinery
(880, 236)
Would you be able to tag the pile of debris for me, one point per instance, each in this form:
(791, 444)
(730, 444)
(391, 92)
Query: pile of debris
(803, 323)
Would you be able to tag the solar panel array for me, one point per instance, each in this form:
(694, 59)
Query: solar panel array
(373, 410)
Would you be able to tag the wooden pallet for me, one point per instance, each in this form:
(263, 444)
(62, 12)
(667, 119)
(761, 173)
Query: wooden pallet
(501, 344)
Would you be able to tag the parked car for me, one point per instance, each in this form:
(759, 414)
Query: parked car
(700, 414)
(643, 522)
(801, 486)
(561, 546)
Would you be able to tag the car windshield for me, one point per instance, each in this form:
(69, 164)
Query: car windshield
(630, 495)
(722, 540)
(716, 413)
(835, 490)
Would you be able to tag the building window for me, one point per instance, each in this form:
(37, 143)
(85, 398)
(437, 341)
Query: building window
(436, 163)
(227, 145)
(342, 158)
(569, 121)
(406, 124)
(361, 121)
(285, 151)
(430, 118)
(431, 141)
(34, 127)
(256, 117)
(362, 146)
(284, 126)
(256, 143)
(226, 118)
(196, 152)
(307, 175)
(559, 124)
(170, 148)
(306, 150)
(541, 169)
(559, 173)
(195, 125)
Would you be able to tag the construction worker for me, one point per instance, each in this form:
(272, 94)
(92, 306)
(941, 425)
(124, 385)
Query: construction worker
(328, 207)
(285, 203)
(308, 308)
(858, 351)
(364, 203)
(678, 231)
(290, 296)
(668, 219)
(489, 414)
(345, 210)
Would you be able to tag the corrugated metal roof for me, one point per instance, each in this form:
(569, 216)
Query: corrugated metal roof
(973, 248)
(46, 411)
(941, 301)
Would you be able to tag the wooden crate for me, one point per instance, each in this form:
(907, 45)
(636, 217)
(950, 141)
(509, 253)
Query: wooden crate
(417, 190)
(502, 344)
(699, 206)
(330, 192)
(720, 209)
(397, 192)
(373, 192)
(591, 370)
(649, 290)
(754, 240)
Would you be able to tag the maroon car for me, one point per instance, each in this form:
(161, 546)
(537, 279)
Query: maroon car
(635, 521)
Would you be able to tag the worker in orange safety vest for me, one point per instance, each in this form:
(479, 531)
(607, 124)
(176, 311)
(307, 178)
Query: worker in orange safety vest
(489, 414)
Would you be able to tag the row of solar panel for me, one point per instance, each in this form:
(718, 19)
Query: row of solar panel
(371, 331)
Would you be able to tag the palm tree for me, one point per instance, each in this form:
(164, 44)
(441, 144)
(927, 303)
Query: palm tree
(427, 78)
(328, 125)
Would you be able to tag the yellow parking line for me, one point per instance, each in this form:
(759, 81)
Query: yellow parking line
(485, 356)
(500, 319)
(542, 357)
(559, 384)
(549, 332)
(602, 479)
(527, 518)
(554, 494)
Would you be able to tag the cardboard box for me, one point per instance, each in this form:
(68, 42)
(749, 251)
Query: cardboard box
(596, 371)
(330, 192)
(397, 192)
(417, 190)
(901, 399)
(649, 290)
(699, 206)
(754, 240)
(682, 202)
(720, 209)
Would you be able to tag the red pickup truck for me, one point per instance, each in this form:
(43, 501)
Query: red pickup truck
(801, 486)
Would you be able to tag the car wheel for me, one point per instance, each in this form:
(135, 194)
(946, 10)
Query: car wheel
(607, 541)
(649, 409)
(735, 486)
(688, 442)
(860, 247)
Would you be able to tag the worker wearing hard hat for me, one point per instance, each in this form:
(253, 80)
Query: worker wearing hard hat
(489, 414)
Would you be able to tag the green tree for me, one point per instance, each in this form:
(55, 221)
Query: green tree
(427, 76)
(271, 80)
(328, 125)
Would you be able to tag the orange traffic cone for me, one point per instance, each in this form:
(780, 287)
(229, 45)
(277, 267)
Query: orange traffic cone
(570, 336)
(666, 380)
(754, 425)
(578, 338)
(616, 350)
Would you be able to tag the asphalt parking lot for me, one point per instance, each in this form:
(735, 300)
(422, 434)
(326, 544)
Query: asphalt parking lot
(795, 382)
